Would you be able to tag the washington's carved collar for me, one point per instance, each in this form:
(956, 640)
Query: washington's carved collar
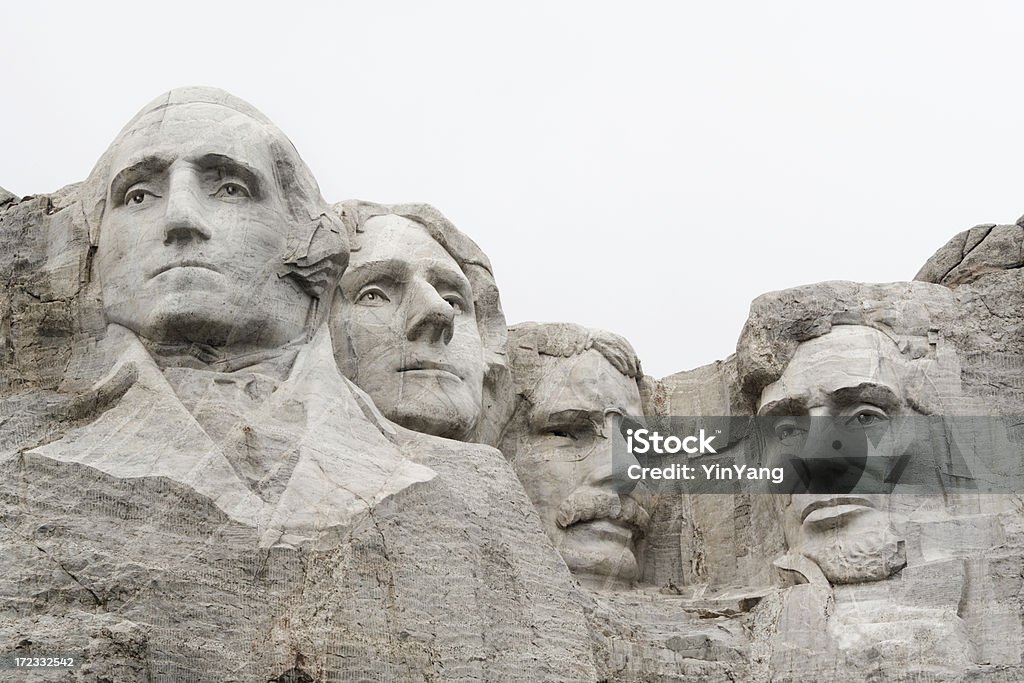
(274, 363)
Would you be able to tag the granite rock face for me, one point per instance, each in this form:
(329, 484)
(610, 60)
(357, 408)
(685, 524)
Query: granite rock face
(247, 435)
(192, 489)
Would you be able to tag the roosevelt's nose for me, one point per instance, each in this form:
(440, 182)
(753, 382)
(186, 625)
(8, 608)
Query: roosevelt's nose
(430, 318)
(608, 467)
(183, 217)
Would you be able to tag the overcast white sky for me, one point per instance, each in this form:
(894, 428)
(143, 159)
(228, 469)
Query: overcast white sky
(645, 168)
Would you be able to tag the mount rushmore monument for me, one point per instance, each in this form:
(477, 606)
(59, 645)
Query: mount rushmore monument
(250, 435)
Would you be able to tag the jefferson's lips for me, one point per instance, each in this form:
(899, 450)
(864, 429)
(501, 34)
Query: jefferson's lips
(188, 263)
(414, 366)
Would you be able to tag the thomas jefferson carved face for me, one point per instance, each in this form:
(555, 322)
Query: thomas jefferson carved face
(561, 450)
(837, 396)
(194, 232)
(406, 311)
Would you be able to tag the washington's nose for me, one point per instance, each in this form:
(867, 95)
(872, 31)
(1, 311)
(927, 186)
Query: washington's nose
(431, 318)
(183, 219)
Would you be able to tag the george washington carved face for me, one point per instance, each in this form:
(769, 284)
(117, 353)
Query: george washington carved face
(195, 231)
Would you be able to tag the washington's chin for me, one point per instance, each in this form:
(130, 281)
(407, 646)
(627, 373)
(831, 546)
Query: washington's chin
(192, 318)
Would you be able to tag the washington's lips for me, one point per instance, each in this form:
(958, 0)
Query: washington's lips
(428, 365)
(834, 507)
(186, 263)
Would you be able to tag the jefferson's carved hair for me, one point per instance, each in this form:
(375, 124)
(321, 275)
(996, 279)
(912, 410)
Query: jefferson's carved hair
(317, 242)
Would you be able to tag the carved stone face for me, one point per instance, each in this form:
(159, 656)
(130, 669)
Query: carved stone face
(839, 388)
(406, 311)
(561, 450)
(194, 232)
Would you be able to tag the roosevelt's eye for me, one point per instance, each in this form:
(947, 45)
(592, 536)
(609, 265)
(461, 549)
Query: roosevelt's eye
(372, 296)
(232, 190)
(562, 433)
(137, 196)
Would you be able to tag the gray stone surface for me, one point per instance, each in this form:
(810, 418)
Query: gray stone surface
(192, 490)
(213, 466)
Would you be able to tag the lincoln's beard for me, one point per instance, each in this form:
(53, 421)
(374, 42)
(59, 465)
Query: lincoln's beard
(856, 557)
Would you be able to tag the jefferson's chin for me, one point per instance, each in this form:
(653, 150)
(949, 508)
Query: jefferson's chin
(426, 406)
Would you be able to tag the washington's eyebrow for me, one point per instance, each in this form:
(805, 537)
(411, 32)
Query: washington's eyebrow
(131, 174)
(394, 269)
(233, 167)
(867, 392)
(785, 407)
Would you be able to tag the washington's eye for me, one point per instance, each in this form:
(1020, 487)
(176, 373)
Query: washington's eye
(136, 196)
(372, 296)
(232, 190)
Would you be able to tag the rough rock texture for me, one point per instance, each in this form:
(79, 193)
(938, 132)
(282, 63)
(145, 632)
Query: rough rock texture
(954, 612)
(983, 267)
(173, 509)
(166, 516)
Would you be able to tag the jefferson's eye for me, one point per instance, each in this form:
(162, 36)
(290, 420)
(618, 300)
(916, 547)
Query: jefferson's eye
(372, 296)
(456, 302)
(232, 190)
(136, 196)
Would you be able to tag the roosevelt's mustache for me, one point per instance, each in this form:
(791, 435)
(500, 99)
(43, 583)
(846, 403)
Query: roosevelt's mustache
(588, 504)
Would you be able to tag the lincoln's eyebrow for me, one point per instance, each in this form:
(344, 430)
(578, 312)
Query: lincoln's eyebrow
(132, 173)
(234, 167)
(785, 407)
(868, 392)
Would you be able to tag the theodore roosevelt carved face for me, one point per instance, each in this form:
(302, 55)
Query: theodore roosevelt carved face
(572, 384)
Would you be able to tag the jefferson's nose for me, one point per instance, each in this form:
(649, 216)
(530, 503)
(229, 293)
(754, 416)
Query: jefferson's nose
(183, 217)
(430, 318)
